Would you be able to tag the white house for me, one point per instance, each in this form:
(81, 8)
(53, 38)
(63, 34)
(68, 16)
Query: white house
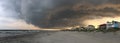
(113, 24)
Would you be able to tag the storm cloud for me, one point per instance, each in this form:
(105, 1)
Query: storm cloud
(66, 13)
(11, 17)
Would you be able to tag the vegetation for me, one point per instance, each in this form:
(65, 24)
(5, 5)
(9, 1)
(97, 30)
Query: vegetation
(83, 29)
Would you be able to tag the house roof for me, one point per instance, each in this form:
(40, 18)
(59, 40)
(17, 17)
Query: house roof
(102, 25)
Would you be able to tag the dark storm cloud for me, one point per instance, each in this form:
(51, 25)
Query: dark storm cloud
(63, 13)
(103, 11)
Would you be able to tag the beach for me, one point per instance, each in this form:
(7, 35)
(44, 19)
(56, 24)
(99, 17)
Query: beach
(64, 37)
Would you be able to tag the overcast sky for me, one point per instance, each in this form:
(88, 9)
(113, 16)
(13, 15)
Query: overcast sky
(39, 14)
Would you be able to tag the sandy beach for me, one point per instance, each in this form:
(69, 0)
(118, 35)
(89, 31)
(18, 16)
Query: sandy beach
(64, 37)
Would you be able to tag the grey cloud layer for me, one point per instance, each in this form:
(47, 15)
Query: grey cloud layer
(63, 13)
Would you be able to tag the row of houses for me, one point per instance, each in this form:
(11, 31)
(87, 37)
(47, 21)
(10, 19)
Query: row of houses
(114, 25)
(88, 28)
(110, 25)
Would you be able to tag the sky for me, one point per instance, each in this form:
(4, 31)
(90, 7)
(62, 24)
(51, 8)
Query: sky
(56, 14)
(10, 16)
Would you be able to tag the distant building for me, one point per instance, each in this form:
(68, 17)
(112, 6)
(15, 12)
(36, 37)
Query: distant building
(82, 27)
(116, 24)
(90, 27)
(102, 26)
(113, 24)
(110, 25)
